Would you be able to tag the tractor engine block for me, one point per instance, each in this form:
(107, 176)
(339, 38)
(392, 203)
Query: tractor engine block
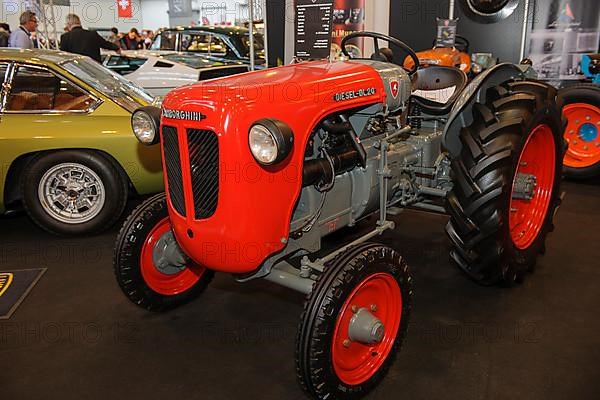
(341, 180)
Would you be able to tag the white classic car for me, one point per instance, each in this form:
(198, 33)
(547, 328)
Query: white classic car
(159, 73)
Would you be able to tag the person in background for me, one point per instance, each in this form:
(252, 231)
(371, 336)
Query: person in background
(148, 39)
(81, 41)
(132, 41)
(4, 34)
(114, 36)
(21, 37)
(36, 40)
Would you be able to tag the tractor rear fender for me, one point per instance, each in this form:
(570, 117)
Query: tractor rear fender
(475, 92)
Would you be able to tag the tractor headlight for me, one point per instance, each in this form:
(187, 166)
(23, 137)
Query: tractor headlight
(476, 68)
(145, 122)
(270, 141)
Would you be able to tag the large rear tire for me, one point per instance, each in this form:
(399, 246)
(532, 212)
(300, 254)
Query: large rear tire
(582, 110)
(507, 182)
(353, 323)
(140, 243)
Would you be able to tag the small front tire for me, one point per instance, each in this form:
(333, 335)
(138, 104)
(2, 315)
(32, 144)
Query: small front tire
(146, 285)
(332, 362)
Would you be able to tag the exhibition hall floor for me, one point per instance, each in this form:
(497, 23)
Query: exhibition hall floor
(77, 337)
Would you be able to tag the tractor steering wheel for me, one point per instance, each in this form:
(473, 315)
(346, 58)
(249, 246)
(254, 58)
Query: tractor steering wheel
(376, 37)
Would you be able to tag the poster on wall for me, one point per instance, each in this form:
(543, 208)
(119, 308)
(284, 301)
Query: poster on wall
(348, 17)
(180, 8)
(59, 2)
(446, 33)
(563, 31)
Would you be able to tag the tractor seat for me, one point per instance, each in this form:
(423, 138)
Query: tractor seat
(436, 89)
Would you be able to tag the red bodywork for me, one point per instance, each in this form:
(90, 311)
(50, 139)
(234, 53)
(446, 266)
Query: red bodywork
(255, 206)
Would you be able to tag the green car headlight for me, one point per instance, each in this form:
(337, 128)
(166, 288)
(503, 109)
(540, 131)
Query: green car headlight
(145, 122)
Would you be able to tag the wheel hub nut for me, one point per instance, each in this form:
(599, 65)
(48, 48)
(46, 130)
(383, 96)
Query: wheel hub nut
(524, 186)
(365, 327)
(167, 256)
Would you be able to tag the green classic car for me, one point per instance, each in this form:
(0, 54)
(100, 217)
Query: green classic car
(68, 153)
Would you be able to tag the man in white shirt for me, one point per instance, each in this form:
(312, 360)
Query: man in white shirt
(21, 37)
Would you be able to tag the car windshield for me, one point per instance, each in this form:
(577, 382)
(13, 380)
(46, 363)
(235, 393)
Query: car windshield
(164, 41)
(243, 44)
(114, 86)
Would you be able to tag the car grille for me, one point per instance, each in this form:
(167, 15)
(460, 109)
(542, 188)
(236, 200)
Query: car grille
(203, 147)
(173, 168)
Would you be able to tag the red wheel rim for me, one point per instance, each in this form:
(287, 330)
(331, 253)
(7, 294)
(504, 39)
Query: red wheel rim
(168, 285)
(358, 362)
(538, 158)
(582, 134)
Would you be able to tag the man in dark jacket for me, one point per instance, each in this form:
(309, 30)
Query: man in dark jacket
(80, 41)
(4, 34)
(132, 41)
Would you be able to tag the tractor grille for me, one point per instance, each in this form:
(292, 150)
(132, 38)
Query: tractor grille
(203, 148)
(173, 167)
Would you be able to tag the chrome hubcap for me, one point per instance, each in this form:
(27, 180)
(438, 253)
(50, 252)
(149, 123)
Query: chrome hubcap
(71, 193)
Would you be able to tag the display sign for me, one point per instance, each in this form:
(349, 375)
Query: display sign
(180, 8)
(348, 17)
(125, 9)
(313, 29)
(59, 2)
(446, 33)
(563, 32)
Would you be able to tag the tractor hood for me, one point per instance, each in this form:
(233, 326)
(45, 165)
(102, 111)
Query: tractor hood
(230, 213)
(304, 85)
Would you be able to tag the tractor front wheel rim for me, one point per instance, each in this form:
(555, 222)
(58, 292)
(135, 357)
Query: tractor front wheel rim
(355, 362)
(157, 280)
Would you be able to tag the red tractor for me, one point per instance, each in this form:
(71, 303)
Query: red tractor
(261, 166)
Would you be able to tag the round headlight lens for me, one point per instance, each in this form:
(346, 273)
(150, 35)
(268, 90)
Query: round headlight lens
(144, 127)
(263, 144)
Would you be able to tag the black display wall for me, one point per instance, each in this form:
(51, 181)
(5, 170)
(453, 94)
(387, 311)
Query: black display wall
(413, 21)
(276, 31)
